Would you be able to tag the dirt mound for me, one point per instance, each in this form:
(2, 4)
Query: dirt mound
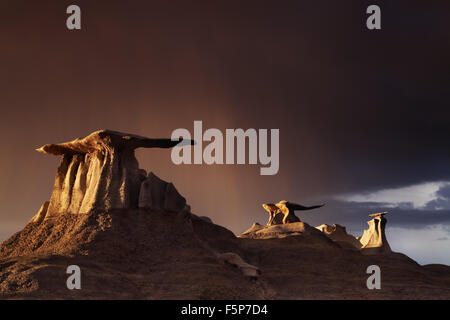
(123, 254)
(133, 236)
(143, 254)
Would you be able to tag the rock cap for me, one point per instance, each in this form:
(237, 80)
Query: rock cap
(101, 139)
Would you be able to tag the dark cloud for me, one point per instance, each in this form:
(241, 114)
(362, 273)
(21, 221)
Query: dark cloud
(403, 215)
(356, 213)
(442, 201)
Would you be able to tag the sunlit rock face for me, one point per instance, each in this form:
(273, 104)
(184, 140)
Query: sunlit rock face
(374, 239)
(248, 270)
(40, 215)
(339, 234)
(279, 231)
(100, 172)
(283, 212)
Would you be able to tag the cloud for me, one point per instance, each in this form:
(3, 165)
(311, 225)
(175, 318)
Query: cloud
(442, 201)
(430, 195)
(412, 207)
(403, 215)
(421, 244)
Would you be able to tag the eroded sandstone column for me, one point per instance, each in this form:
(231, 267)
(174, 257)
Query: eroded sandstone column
(98, 172)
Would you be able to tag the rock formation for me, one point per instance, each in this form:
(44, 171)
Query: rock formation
(286, 210)
(134, 237)
(273, 211)
(100, 172)
(157, 194)
(155, 253)
(40, 215)
(279, 231)
(373, 240)
(255, 227)
(339, 234)
(283, 223)
(235, 260)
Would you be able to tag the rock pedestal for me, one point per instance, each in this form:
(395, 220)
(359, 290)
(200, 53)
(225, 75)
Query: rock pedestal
(374, 239)
(100, 172)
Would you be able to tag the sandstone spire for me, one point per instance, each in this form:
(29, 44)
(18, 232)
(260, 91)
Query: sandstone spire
(374, 239)
(286, 209)
(98, 172)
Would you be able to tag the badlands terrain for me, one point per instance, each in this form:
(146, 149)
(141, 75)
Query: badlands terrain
(134, 237)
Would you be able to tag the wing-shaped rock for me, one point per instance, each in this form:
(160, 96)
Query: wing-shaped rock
(100, 172)
(106, 139)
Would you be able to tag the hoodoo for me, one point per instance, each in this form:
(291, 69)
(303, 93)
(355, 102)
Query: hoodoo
(100, 172)
(284, 223)
(374, 239)
(339, 234)
(134, 237)
(287, 211)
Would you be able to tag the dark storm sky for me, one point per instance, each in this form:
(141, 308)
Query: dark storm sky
(357, 110)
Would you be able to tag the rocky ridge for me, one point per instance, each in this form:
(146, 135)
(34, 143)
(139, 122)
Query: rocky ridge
(134, 237)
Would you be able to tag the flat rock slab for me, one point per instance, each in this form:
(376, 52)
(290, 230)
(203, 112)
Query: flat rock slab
(281, 231)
